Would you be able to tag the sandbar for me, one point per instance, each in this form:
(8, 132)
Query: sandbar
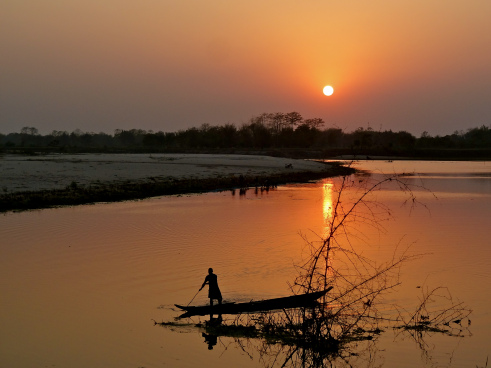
(20, 173)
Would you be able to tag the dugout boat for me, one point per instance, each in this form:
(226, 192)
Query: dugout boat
(294, 301)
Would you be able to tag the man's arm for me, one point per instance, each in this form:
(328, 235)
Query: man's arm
(204, 283)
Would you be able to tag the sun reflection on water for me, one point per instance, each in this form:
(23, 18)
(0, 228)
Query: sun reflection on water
(327, 204)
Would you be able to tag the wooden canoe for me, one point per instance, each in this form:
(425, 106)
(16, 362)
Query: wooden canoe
(294, 301)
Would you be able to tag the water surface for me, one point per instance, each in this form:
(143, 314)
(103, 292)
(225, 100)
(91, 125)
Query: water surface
(81, 286)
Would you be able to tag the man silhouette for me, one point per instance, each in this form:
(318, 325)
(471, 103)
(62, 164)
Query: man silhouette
(213, 290)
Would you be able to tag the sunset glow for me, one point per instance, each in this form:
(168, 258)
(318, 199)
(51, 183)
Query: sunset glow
(100, 66)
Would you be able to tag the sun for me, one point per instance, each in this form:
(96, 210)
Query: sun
(328, 90)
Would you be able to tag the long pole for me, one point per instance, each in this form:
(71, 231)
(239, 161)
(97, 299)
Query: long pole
(193, 298)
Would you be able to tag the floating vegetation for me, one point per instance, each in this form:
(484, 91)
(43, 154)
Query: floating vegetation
(448, 317)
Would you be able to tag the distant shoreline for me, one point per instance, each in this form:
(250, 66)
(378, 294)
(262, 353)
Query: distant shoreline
(47, 181)
(444, 154)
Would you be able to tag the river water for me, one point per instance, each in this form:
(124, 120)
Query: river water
(81, 286)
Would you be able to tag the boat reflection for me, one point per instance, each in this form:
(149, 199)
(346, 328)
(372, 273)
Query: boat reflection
(266, 339)
(211, 338)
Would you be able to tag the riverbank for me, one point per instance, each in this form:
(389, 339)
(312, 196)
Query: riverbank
(42, 181)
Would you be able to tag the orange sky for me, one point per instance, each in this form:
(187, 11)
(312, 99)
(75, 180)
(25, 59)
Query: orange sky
(168, 65)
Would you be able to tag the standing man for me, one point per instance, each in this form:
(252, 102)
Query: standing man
(214, 290)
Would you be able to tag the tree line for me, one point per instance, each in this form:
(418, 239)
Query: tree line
(262, 132)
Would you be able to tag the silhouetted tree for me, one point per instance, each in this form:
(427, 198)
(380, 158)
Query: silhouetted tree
(314, 123)
(332, 138)
(261, 136)
(478, 137)
(305, 135)
(362, 138)
(293, 118)
(29, 131)
(30, 136)
(245, 136)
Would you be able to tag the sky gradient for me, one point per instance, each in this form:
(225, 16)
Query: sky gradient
(169, 65)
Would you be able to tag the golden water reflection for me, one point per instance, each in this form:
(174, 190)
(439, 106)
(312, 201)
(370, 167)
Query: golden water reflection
(327, 205)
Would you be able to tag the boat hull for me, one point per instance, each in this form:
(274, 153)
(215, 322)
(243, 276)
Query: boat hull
(294, 301)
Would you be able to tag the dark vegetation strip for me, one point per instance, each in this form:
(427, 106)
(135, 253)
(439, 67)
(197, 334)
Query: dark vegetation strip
(113, 192)
(283, 133)
(293, 153)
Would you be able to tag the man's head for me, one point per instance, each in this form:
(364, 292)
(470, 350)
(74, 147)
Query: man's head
(210, 270)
